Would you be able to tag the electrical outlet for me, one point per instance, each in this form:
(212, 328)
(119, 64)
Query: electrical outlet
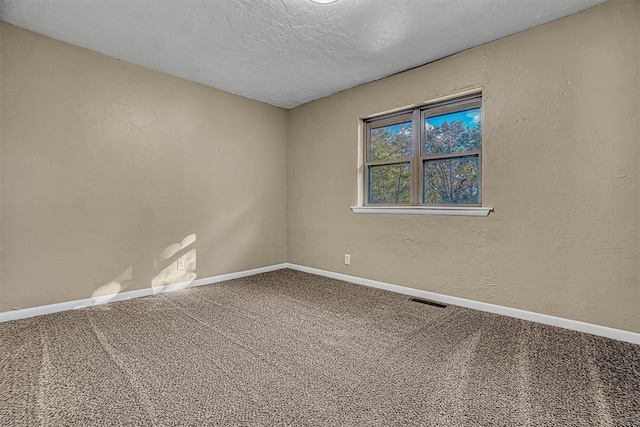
(180, 263)
(347, 259)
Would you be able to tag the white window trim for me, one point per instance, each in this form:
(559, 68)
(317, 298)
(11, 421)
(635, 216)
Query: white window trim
(424, 210)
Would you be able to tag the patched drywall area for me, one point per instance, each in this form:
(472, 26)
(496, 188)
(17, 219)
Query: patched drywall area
(560, 167)
(113, 176)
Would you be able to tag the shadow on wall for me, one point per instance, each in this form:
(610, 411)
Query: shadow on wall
(173, 266)
(235, 234)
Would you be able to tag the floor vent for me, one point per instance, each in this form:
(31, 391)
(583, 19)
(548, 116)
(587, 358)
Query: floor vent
(426, 301)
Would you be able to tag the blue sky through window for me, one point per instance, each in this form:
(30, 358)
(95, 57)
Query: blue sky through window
(470, 118)
(399, 127)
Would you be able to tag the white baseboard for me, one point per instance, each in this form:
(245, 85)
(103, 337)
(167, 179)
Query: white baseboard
(603, 331)
(72, 305)
(575, 325)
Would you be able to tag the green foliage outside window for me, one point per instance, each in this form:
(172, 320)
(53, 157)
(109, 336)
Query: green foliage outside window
(452, 180)
(391, 184)
(448, 163)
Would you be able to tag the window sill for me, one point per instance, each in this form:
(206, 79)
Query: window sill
(424, 210)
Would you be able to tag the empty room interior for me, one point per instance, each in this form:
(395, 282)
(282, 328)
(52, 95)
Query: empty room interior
(320, 213)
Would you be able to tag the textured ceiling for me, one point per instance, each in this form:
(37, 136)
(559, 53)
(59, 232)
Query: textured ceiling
(282, 52)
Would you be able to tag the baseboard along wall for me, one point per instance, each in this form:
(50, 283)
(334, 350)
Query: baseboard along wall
(604, 331)
(576, 325)
(72, 305)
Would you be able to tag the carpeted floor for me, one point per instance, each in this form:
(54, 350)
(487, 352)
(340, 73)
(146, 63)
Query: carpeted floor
(290, 348)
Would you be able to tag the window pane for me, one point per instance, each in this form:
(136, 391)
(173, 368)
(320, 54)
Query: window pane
(451, 181)
(390, 184)
(391, 142)
(453, 132)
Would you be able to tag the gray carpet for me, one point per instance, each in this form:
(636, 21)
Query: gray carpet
(289, 348)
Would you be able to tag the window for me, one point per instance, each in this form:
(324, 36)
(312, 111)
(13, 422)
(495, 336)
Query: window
(427, 156)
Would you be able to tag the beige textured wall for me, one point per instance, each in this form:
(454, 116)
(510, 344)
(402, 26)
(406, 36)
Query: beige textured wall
(107, 168)
(3, 304)
(561, 155)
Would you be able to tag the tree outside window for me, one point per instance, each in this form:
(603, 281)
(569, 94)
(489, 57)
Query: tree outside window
(430, 155)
